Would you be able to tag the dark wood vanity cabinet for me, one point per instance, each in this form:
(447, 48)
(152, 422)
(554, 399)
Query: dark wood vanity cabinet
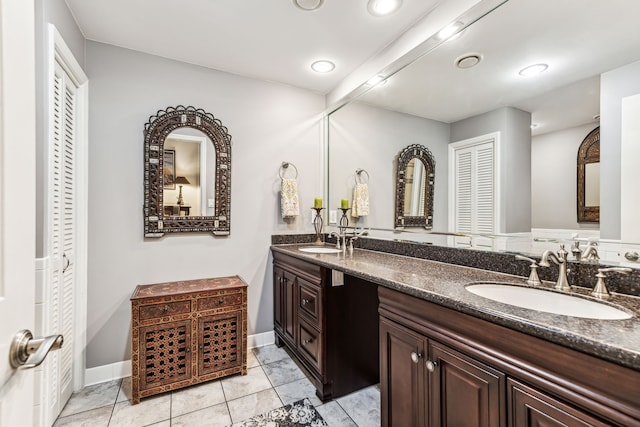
(429, 384)
(187, 332)
(440, 367)
(330, 331)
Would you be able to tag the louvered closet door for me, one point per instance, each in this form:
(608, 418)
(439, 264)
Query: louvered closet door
(475, 189)
(61, 303)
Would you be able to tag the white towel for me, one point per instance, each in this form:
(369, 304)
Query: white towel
(360, 205)
(289, 198)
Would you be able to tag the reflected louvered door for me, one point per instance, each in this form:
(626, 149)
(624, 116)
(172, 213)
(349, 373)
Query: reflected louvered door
(60, 295)
(475, 192)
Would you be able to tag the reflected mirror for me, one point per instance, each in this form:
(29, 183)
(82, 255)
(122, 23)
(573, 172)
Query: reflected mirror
(446, 96)
(414, 187)
(589, 178)
(188, 174)
(187, 168)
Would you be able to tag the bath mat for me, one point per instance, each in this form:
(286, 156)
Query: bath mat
(297, 414)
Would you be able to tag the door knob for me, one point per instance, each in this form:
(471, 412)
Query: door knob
(26, 352)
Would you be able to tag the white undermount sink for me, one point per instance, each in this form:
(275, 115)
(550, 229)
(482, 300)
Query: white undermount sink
(320, 250)
(546, 301)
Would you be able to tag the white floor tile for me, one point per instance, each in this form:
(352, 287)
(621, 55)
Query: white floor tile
(254, 404)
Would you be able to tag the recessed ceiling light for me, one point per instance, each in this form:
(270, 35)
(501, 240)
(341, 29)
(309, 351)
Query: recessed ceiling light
(533, 70)
(308, 4)
(376, 80)
(383, 7)
(450, 30)
(468, 60)
(323, 66)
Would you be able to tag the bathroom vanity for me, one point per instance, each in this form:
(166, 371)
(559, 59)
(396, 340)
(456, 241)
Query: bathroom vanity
(330, 328)
(449, 357)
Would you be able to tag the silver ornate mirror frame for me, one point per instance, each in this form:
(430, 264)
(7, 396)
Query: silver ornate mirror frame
(422, 154)
(156, 130)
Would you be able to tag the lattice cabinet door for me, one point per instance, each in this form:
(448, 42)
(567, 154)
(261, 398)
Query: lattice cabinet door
(165, 354)
(220, 342)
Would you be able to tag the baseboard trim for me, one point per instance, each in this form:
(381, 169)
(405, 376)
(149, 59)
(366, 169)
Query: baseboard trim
(118, 370)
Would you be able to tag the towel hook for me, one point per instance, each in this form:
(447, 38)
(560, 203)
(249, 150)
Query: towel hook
(359, 173)
(284, 167)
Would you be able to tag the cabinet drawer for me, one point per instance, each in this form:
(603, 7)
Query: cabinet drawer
(218, 301)
(310, 344)
(309, 298)
(164, 309)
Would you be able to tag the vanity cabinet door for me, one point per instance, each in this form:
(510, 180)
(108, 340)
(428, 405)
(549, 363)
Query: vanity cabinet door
(278, 298)
(463, 391)
(289, 312)
(529, 407)
(402, 378)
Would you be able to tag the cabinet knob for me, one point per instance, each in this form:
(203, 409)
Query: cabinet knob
(415, 357)
(305, 342)
(305, 301)
(166, 308)
(220, 301)
(431, 365)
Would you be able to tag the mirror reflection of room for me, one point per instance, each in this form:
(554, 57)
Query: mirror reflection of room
(189, 177)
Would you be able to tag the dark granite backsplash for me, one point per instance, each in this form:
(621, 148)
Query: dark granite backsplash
(580, 274)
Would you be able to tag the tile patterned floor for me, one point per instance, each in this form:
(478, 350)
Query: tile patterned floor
(273, 380)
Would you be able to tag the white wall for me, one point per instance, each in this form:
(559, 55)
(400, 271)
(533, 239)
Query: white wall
(554, 178)
(268, 123)
(370, 138)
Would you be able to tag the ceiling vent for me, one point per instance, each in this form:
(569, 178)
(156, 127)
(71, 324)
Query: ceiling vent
(469, 60)
(308, 4)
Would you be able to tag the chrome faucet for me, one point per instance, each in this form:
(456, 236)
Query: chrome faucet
(337, 236)
(559, 258)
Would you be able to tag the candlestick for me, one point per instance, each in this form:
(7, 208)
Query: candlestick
(344, 220)
(317, 224)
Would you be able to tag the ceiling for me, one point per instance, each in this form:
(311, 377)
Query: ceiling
(578, 40)
(270, 40)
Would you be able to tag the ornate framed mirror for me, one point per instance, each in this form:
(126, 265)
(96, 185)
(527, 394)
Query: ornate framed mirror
(187, 173)
(415, 176)
(589, 178)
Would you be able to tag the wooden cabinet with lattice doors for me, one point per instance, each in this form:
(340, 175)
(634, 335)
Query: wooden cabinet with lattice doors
(187, 332)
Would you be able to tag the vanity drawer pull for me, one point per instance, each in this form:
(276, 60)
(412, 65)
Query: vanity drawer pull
(431, 365)
(305, 301)
(309, 341)
(415, 357)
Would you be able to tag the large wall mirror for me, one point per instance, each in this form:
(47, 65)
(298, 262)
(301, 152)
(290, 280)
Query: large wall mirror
(187, 166)
(474, 84)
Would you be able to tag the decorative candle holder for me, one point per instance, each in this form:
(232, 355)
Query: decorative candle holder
(317, 224)
(344, 219)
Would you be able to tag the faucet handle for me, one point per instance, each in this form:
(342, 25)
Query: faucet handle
(533, 279)
(600, 290)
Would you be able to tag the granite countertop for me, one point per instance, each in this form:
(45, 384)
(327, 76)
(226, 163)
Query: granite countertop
(615, 340)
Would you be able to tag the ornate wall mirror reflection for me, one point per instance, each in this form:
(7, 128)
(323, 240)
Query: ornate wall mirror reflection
(414, 187)
(589, 178)
(187, 173)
